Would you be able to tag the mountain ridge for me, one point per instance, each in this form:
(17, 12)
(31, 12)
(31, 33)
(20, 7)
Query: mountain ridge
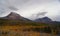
(14, 16)
(43, 20)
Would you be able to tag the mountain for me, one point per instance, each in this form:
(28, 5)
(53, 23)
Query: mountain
(43, 20)
(15, 16)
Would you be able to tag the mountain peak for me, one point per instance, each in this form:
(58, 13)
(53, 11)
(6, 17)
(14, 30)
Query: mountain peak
(44, 19)
(13, 15)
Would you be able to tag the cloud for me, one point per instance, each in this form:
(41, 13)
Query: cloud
(38, 15)
(41, 14)
(12, 8)
(28, 7)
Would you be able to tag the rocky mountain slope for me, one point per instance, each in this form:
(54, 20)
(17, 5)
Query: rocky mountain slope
(15, 16)
(43, 20)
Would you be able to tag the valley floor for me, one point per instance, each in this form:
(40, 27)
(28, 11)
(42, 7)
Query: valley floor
(21, 31)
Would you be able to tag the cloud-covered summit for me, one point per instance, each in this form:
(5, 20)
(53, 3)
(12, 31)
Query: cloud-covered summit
(28, 7)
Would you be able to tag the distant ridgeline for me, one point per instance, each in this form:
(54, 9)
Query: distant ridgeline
(43, 20)
(14, 18)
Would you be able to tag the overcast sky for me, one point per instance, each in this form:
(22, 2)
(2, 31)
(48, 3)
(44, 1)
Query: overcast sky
(30, 8)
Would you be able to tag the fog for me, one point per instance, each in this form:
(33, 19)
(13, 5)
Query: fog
(27, 8)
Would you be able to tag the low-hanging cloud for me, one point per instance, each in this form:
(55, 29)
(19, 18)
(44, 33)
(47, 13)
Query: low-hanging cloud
(13, 8)
(28, 7)
(36, 16)
(41, 13)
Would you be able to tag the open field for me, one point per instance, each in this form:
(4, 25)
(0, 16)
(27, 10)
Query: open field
(22, 31)
(26, 28)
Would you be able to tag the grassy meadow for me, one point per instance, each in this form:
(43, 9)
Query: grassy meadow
(26, 28)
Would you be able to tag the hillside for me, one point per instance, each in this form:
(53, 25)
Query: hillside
(43, 20)
(14, 16)
(16, 25)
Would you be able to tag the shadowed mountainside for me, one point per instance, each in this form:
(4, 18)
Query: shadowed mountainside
(43, 20)
(15, 16)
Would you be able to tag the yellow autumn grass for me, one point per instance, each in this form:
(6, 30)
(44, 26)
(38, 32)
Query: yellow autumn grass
(19, 31)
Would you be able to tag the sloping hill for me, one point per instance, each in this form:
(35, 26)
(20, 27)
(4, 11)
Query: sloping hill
(43, 20)
(14, 16)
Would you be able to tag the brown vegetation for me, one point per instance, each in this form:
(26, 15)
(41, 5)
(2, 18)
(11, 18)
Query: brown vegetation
(21, 31)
